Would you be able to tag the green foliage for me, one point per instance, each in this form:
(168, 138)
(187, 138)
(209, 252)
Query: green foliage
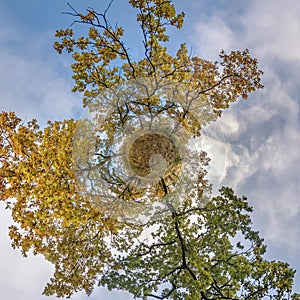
(204, 248)
(209, 249)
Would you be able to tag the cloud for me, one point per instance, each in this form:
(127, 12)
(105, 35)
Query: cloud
(32, 83)
(213, 37)
(273, 28)
(35, 83)
(269, 28)
(263, 133)
(21, 277)
(25, 278)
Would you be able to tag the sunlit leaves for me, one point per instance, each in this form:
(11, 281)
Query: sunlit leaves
(102, 59)
(192, 252)
(205, 248)
(51, 216)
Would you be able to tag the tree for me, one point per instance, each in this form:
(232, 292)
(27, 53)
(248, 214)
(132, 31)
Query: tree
(200, 252)
(52, 218)
(79, 187)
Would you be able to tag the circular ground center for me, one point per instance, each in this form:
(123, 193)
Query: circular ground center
(153, 153)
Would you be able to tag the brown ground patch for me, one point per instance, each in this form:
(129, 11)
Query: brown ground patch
(152, 148)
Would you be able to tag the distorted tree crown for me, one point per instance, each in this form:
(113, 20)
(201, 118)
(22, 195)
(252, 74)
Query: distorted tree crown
(119, 198)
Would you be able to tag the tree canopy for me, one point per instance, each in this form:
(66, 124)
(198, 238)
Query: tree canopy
(119, 198)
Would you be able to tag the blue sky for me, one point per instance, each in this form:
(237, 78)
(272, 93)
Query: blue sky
(262, 135)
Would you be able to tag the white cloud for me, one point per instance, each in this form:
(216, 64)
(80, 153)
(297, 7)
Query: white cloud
(21, 277)
(229, 124)
(264, 133)
(273, 28)
(269, 28)
(264, 156)
(25, 278)
(33, 87)
(212, 37)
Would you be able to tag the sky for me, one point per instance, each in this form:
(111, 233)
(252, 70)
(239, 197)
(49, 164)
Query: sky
(261, 135)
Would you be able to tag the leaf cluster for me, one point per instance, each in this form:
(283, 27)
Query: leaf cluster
(102, 59)
(51, 216)
(203, 248)
(200, 252)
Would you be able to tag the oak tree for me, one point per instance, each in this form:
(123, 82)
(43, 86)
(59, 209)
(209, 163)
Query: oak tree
(68, 189)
